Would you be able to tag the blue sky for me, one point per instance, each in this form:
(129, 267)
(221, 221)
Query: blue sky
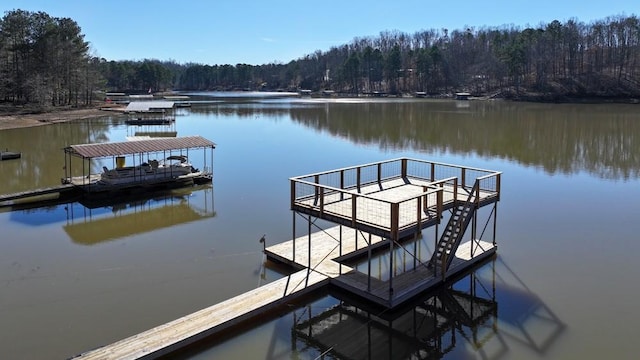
(259, 32)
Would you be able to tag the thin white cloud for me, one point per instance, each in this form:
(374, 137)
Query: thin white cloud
(268, 40)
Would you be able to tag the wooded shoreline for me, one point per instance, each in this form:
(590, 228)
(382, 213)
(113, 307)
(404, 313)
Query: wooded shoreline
(13, 117)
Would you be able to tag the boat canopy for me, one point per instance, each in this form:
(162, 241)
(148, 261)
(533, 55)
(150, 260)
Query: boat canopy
(89, 151)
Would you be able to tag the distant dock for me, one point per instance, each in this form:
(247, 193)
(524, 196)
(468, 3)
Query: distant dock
(376, 207)
(80, 181)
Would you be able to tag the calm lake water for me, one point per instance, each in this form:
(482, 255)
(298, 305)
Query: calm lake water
(564, 285)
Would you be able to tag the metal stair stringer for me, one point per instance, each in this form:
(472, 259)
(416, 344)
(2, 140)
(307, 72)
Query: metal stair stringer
(453, 233)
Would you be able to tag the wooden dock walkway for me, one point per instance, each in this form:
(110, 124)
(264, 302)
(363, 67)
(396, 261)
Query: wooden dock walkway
(60, 190)
(186, 330)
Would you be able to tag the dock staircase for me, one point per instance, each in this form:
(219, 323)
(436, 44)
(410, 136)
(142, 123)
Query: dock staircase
(453, 233)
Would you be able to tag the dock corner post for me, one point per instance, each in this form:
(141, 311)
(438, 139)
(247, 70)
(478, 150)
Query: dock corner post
(316, 187)
(354, 211)
(463, 177)
(341, 184)
(321, 201)
(498, 177)
(455, 191)
(379, 173)
(358, 173)
(425, 204)
(403, 168)
(419, 209)
(433, 172)
(293, 192)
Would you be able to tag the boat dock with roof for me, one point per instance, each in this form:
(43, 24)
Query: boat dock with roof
(376, 209)
(154, 112)
(137, 166)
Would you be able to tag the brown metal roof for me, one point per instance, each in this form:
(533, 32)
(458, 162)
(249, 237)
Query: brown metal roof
(138, 146)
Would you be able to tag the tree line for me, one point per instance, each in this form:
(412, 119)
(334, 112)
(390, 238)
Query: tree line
(46, 61)
(573, 58)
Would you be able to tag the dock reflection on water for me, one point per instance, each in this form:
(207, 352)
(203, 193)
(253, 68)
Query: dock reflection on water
(461, 319)
(96, 222)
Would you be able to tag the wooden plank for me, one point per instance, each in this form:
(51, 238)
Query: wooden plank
(168, 337)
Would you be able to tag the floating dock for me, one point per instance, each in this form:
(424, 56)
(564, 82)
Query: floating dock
(377, 207)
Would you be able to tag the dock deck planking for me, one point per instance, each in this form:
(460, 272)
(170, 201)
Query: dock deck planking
(324, 246)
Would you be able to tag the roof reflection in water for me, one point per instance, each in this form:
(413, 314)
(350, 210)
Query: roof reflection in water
(129, 217)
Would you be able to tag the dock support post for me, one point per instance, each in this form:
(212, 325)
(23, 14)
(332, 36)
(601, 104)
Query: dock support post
(435, 240)
(309, 239)
(395, 217)
(474, 229)
(369, 265)
(390, 270)
(293, 235)
(340, 241)
(495, 217)
(316, 188)
(415, 252)
(355, 236)
(340, 248)
(463, 177)
(341, 184)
